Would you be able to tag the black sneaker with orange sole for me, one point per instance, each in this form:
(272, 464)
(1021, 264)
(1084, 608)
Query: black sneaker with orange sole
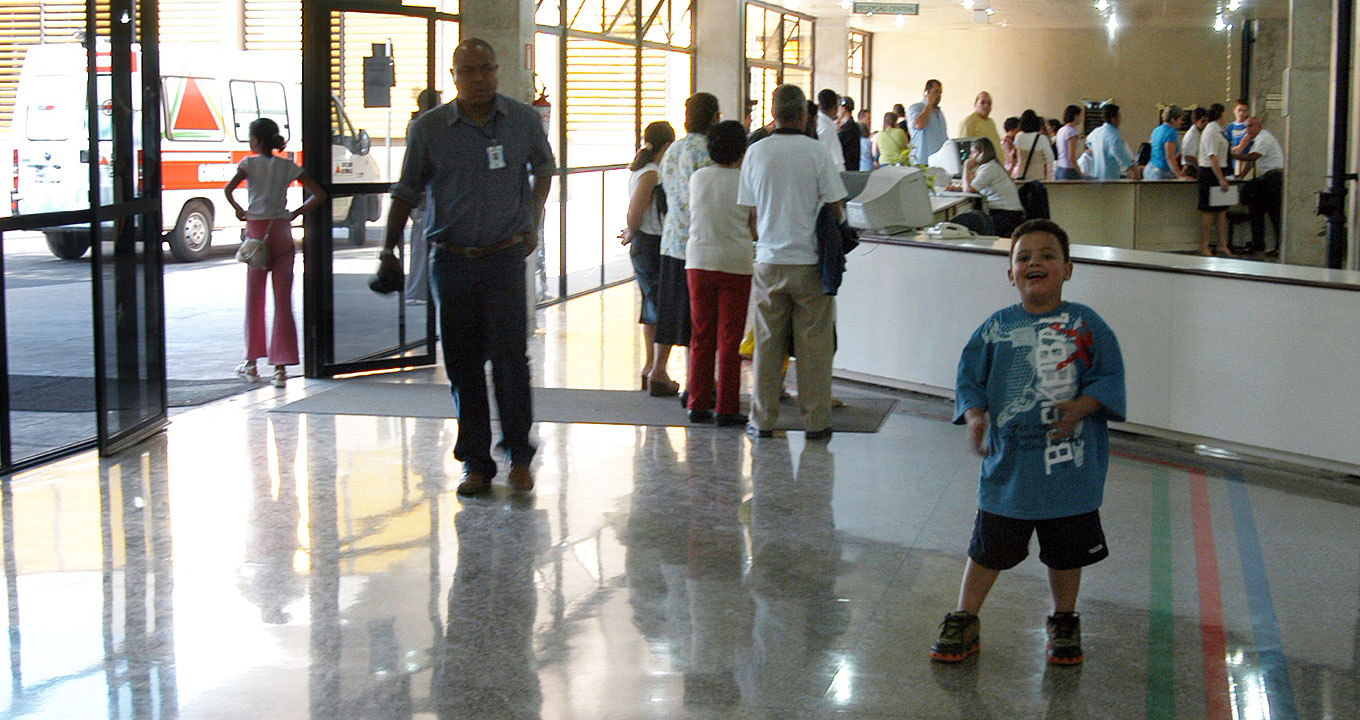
(960, 637)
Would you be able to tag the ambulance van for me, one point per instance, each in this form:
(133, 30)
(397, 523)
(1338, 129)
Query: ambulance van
(209, 98)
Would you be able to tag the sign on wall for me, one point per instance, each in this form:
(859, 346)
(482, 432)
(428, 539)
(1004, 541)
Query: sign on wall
(873, 8)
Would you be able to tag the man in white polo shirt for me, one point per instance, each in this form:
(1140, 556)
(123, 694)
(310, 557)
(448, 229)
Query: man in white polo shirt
(787, 178)
(1265, 193)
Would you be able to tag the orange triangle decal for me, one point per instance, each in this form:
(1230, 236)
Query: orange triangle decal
(194, 112)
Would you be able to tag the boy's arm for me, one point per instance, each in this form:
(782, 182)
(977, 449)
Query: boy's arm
(976, 418)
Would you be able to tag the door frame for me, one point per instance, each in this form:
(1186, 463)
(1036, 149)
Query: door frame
(318, 279)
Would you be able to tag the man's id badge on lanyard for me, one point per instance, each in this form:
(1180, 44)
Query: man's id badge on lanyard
(495, 157)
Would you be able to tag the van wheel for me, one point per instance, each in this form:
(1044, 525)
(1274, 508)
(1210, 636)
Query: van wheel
(68, 244)
(192, 236)
(356, 221)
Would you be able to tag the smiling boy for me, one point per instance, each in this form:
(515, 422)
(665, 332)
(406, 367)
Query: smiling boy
(1036, 384)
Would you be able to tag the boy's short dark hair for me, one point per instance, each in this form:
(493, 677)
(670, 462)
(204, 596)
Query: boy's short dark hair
(1010, 123)
(1042, 225)
(726, 142)
(1110, 112)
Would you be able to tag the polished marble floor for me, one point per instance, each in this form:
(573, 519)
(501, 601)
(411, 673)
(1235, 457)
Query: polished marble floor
(254, 564)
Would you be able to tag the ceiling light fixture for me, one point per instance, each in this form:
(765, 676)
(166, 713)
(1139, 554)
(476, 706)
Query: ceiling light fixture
(969, 4)
(900, 21)
(847, 4)
(1220, 24)
(1103, 5)
(1234, 5)
(989, 11)
(1112, 24)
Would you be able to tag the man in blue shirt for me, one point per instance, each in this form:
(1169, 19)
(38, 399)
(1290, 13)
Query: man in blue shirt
(472, 161)
(1109, 156)
(928, 131)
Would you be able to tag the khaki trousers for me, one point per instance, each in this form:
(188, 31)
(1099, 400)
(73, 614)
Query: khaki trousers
(790, 308)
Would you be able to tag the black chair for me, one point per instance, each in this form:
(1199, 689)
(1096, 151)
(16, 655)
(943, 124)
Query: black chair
(975, 221)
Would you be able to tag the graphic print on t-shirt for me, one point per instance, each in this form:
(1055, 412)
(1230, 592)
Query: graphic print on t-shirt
(1045, 372)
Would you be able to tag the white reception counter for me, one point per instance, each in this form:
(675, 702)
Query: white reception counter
(1242, 355)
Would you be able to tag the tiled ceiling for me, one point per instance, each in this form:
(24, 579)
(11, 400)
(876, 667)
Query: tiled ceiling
(938, 15)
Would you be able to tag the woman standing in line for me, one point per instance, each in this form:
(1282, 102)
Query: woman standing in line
(679, 162)
(1069, 143)
(718, 261)
(643, 238)
(1213, 158)
(890, 141)
(267, 179)
(1033, 152)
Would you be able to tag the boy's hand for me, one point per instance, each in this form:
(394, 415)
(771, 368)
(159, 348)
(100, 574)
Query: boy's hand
(1071, 412)
(977, 430)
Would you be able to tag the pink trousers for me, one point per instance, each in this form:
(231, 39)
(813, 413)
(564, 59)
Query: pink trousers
(283, 348)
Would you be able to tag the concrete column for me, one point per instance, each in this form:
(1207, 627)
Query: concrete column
(1306, 127)
(510, 28)
(719, 55)
(831, 46)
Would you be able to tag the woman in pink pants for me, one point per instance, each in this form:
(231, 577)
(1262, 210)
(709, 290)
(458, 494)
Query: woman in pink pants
(267, 179)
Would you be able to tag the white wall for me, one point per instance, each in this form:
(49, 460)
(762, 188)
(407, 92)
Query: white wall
(1049, 69)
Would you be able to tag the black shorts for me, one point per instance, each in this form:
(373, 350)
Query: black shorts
(1001, 542)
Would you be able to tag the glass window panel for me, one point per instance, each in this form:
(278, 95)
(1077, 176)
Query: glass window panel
(797, 41)
(586, 223)
(133, 365)
(755, 32)
(763, 82)
(601, 81)
(617, 264)
(48, 311)
(550, 251)
(548, 12)
(671, 25)
(801, 78)
(547, 77)
(682, 32)
(665, 85)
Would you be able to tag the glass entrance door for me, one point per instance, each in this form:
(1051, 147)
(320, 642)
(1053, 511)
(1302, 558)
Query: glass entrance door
(366, 67)
(126, 188)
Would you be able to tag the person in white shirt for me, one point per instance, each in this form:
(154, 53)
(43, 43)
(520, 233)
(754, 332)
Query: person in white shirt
(1190, 143)
(982, 174)
(788, 178)
(1213, 156)
(1265, 193)
(827, 102)
(718, 266)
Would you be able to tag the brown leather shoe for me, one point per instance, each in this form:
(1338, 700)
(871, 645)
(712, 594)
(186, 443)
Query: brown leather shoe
(474, 483)
(520, 479)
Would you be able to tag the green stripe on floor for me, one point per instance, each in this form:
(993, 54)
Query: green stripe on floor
(1161, 692)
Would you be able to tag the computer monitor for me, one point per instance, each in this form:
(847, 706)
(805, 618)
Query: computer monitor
(894, 199)
(952, 155)
(854, 181)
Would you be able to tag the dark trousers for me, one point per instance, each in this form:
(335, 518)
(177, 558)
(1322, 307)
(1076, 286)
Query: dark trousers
(1267, 197)
(482, 316)
(717, 312)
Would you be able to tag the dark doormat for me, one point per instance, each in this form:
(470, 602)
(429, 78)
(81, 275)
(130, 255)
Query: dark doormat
(65, 393)
(563, 405)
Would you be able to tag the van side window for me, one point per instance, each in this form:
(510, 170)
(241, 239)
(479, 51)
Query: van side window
(191, 111)
(251, 100)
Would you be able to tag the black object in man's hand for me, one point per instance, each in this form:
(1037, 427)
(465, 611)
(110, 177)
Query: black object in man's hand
(389, 277)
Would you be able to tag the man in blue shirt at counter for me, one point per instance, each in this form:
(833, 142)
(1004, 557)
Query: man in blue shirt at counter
(1109, 156)
(928, 131)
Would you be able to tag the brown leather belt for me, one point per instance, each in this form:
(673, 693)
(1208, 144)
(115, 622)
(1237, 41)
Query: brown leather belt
(483, 250)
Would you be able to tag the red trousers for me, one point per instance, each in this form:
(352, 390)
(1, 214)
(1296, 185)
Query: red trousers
(717, 313)
(283, 344)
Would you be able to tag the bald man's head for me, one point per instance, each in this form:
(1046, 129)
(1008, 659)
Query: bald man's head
(474, 72)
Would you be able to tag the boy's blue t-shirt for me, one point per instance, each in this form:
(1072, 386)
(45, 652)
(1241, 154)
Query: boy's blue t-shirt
(1016, 366)
(1162, 135)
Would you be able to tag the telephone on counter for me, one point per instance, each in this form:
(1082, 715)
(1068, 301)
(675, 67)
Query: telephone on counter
(949, 231)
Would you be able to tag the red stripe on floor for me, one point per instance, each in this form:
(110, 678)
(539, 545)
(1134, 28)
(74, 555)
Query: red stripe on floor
(1212, 635)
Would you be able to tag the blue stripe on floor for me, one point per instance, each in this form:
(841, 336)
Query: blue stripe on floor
(1265, 627)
